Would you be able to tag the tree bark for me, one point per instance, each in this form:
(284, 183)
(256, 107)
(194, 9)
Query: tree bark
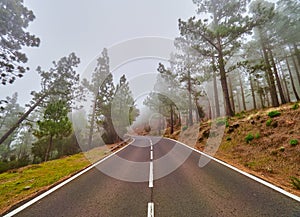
(288, 97)
(282, 98)
(49, 147)
(228, 109)
(292, 80)
(231, 94)
(297, 52)
(242, 92)
(92, 124)
(190, 123)
(216, 94)
(171, 119)
(269, 72)
(252, 93)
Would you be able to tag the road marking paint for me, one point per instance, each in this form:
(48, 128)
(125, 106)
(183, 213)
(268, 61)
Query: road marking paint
(151, 175)
(34, 200)
(150, 209)
(151, 147)
(280, 190)
(151, 155)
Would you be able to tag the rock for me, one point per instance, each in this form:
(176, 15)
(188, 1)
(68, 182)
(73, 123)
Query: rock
(27, 187)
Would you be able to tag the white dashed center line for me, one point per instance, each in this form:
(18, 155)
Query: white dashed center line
(151, 204)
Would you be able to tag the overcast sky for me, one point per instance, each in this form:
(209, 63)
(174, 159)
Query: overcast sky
(86, 27)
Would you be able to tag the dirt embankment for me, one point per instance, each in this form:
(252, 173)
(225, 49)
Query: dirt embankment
(254, 142)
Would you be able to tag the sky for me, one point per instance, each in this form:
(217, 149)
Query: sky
(86, 27)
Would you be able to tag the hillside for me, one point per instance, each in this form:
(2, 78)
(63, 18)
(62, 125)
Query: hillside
(264, 146)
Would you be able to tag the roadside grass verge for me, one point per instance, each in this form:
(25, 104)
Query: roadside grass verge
(23, 183)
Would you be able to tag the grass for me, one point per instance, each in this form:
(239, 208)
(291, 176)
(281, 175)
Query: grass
(295, 106)
(295, 182)
(19, 184)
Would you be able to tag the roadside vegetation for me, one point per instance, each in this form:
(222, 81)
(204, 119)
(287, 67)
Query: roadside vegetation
(27, 182)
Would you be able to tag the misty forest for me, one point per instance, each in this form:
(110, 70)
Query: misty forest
(231, 57)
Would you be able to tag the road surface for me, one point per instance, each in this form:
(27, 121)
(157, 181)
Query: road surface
(166, 181)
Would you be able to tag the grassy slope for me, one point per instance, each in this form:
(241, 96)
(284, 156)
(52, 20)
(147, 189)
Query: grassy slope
(269, 154)
(17, 185)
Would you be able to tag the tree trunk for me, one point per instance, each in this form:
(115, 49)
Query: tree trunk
(282, 98)
(297, 52)
(216, 94)
(231, 94)
(252, 93)
(269, 72)
(209, 109)
(242, 92)
(295, 64)
(172, 119)
(285, 83)
(22, 118)
(90, 141)
(292, 80)
(228, 109)
(49, 147)
(190, 123)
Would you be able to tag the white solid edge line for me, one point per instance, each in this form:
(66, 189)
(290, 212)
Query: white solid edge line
(150, 209)
(34, 200)
(151, 155)
(244, 173)
(151, 175)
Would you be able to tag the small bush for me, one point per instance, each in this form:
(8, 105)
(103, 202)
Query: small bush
(228, 139)
(257, 136)
(222, 121)
(294, 142)
(282, 149)
(295, 106)
(249, 138)
(184, 128)
(269, 122)
(295, 182)
(274, 113)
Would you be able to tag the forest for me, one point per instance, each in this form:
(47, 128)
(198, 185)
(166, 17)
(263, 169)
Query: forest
(231, 56)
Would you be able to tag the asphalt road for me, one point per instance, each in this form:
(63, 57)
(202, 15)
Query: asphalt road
(120, 186)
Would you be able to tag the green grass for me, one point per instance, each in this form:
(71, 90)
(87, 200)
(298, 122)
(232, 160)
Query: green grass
(18, 184)
(295, 182)
(295, 106)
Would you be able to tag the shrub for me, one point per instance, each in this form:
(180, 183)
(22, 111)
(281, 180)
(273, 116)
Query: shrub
(281, 149)
(274, 113)
(295, 106)
(269, 122)
(249, 137)
(184, 128)
(295, 182)
(257, 136)
(294, 142)
(222, 121)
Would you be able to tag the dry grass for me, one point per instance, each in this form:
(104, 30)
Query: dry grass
(23, 183)
(269, 155)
